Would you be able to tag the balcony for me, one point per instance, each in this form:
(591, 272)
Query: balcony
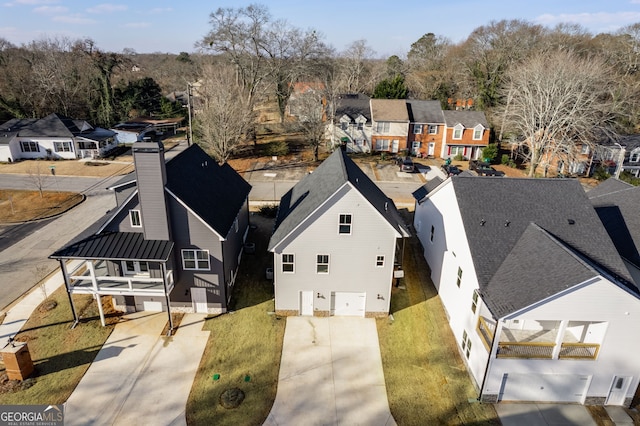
(541, 339)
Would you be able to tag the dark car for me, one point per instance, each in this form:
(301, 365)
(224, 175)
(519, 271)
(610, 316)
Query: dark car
(450, 170)
(484, 169)
(406, 164)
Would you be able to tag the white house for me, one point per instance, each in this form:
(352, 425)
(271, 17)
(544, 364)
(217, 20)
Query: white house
(541, 304)
(335, 244)
(54, 136)
(351, 126)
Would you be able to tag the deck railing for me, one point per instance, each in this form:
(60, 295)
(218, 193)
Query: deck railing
(486, 330)
(579, 351)
(542, 350)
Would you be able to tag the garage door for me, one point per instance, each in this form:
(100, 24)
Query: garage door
(544, 387)
(152, 306)
(348, 304)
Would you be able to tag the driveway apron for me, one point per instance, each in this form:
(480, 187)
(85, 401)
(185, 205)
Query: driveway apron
(331, 374)
(140, 376)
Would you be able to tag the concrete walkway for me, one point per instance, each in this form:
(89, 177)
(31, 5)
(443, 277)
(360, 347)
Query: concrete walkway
(331, 374)
(513, 414)
(140, 376)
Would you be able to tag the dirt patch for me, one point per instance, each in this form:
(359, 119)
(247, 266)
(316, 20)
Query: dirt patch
(22, 206)
(176, 318)
(8, 386)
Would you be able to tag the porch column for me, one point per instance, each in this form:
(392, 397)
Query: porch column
(100, 310)
(67, 284)
(92, 274)
(163, 270)
(558, 346)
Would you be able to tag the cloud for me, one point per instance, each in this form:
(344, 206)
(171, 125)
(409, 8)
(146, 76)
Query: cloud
(138, 25)
(50, 10)
(35, 2)
(107, 8)
(73, 19)
(591, 20)
(170, 9)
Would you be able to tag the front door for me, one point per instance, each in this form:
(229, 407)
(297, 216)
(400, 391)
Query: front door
(199, 300)
(133, 267)
(395, 144)
(306, 303)
(618, 390)
(415, 147)
(432, 148)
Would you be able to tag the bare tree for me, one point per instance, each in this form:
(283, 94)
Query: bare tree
(225, 118)
(557, 101)
(37, 176)
(309, 108)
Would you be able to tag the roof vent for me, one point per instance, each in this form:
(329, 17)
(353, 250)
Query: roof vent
(506, 223)
(482, 222)
(571, 221)
(386, 206)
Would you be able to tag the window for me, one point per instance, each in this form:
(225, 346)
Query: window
(322, 264)
(466, 344)
(195, 260)
(457, 132)
(359, 142)
(344, 125)
(380, 261)
(634, 157)
(477, 133)
(382, 144)
(455, 150)
(417, 129)
(382, 127)
(133, 267)
(585, 149)
(287, 263)
(459, 279)
(433, 129)
(29, 146)
(62, 146)
(345, 224)
(235, 224)
(474, 301)
(134, 218)
(433, 231)
(360, 126)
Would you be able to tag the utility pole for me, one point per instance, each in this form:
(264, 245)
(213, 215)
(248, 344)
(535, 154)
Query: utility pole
(620, 161)
(190, 136)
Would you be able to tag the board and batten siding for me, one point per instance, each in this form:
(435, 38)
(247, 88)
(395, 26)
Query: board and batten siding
(352, 264)
(151, 179)
(596, 300)
(232, 247)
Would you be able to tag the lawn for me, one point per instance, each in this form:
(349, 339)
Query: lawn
(244, 346)
(21, 206)
(61, 355)
(426, 380)
(96, 168)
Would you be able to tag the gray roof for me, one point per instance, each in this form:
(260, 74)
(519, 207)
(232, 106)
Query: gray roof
(51, 126)
(469, 119)
(116, 246)
(630, 142)
(617, 203)
(427, 112)
(353, 106)
(12, 127)
(497, 212)
(315, 188)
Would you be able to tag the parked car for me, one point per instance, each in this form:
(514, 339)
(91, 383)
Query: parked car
(483, 169)
(406, 164)
(450, 170)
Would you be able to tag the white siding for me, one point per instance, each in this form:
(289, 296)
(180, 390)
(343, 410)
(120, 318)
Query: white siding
(352, 265)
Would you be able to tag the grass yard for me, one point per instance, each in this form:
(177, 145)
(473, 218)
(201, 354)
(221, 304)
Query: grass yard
(22, 206)
(244, 347)
(61, 355)
(95, 168)
(426, 380)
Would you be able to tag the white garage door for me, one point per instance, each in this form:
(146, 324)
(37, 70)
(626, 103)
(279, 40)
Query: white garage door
(152, 306)
(349, 304)
(544, 387)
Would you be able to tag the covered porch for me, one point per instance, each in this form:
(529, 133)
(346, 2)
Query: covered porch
(117, 263)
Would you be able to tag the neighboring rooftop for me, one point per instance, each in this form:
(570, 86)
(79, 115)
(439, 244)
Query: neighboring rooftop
(468, 119)
(426, 112)
(389, 110)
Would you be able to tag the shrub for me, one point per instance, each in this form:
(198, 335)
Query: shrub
(276, 148)
(269, 210)
(490, 152)
(505, 159)
(601, 174)
(458, 157)
(629, 178)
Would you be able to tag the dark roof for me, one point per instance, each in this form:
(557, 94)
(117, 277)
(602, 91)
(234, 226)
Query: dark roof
(496, 213)
(630, 142)
(617, 203)
(215, 193)
(427, 188)
(469, 119)
(353, 106)
(553, 263)
(317, 187)
(425, 111)
(51, 126)
(12, 127)
(116, 246)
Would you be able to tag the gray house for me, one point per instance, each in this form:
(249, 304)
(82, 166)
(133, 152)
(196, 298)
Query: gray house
(336, 244)
(174, 241)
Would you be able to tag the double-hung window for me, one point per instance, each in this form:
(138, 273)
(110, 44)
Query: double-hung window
(459, 278)
(382, 144)
(196, 260)
(382, 126)
(380, 261)
(466, 344)
(288, 262)
(345, 224)
(62, 146)
(134, 218)
(433, 129)
(29, 146)
(322, 264)
(457, 131)
(474, 301)
(417, 129)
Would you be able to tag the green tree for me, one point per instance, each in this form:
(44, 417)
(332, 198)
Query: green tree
(138, 97)
(391, 89)
(490, 152)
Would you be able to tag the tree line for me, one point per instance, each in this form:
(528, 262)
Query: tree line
(544, 89)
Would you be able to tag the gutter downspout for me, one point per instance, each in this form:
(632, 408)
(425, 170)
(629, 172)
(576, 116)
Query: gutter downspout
(163, 270)
(486, 371)
(63, 269)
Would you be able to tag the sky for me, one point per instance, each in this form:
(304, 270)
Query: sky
(389, 27)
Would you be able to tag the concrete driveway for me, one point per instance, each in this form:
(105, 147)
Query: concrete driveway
(140, 376)
(331, 374)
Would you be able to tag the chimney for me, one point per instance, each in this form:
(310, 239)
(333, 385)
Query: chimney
(148, 159)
